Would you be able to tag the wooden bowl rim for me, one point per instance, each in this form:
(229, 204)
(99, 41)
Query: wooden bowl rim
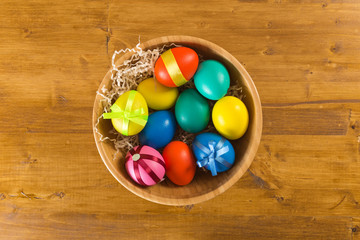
(253, 142)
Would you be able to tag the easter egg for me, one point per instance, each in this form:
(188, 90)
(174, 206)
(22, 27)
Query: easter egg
(192, 111)
(179, 163)
(213, 152)
(157, 96)
(159, 129)
(145, 165)
(129, 113)
(212, 79)
(176, 66)
(230, 117)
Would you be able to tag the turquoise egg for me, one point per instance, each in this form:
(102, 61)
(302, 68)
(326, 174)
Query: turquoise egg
(212, 79)
(192, 111)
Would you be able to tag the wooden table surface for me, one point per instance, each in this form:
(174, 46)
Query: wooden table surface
(304, 57)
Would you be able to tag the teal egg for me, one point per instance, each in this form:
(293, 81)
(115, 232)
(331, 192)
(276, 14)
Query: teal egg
(212, 79)
(192, 111)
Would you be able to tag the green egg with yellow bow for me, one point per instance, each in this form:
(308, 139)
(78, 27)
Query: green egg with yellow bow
(129, 113)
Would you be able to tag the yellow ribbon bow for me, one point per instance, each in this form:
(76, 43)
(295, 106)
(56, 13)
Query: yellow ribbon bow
(136, 116)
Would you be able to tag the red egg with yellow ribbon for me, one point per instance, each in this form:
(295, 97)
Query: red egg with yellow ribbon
(176, 66)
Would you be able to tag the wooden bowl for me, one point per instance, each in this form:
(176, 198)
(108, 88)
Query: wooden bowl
(204, 186)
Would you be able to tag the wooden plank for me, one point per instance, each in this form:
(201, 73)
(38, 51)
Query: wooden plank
(39, 43)
(310, 13)
(33, 14)
(75, 74)
(355, 228)
(288, 121)
(309, 68)
(68, 223)
(333, 160)
(289, 94)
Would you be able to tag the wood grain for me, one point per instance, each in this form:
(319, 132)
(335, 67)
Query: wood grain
(285, 121)
(304, 58)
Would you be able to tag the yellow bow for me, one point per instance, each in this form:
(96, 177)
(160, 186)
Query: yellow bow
(137, 116)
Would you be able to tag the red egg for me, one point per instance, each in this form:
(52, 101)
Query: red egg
(176, 66)
(180, 164)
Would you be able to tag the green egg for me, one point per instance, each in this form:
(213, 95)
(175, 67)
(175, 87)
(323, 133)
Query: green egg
(212, 79)
(192, 111)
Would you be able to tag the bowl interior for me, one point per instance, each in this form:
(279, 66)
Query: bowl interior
(204, 186)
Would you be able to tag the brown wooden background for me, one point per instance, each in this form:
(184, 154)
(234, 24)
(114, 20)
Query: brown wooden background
(304, 57)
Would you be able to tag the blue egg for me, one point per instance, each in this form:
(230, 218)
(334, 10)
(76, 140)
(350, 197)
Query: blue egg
(213, 152)
(159, 129)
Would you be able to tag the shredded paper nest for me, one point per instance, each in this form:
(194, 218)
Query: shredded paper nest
(127, 76)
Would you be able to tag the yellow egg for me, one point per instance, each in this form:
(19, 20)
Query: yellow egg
(138, 102)
(230, 117)
(158, 97)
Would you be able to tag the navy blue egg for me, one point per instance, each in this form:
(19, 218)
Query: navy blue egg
(159, 129)
(222, 153)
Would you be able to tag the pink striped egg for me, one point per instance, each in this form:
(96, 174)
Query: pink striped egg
(145, 165)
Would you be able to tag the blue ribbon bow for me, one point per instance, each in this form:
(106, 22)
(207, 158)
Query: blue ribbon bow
(211, 154)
